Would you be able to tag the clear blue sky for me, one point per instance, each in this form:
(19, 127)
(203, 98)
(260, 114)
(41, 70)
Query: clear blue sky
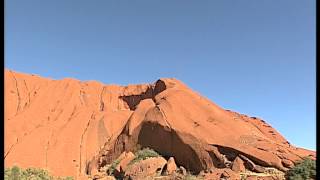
(254, 57)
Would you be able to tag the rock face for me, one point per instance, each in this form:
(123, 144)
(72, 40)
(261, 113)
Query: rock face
(124, 161)
(145, 168)
(170, 167)
(71, 127)
(238, 165)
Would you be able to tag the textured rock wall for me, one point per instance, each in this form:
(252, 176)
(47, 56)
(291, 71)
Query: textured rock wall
(69, 126)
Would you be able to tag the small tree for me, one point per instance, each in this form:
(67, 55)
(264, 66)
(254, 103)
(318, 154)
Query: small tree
(305, 169)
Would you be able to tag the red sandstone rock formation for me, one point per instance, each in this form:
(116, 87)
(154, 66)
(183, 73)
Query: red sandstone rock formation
(71, 127)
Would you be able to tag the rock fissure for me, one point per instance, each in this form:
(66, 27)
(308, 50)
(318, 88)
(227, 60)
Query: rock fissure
(28, 92)
(164, 116)
(18, 93)
(72, 115)
(101, 99)
(47, 147)
(81, 141)
(11, 148)
(82, 93)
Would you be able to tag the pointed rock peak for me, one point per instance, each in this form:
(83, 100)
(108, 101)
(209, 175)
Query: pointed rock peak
(169, 83)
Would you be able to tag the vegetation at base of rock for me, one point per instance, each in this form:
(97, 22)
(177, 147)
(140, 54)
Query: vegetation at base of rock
(269, 172)
(113, 166)
(16, 173)
(144, 154)
(305, 169)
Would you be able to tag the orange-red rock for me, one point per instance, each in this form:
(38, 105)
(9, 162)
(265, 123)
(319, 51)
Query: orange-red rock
(223, 173)
(71, 127)
(124, 161)
(238, 165)
(145, 168)
(170, 167)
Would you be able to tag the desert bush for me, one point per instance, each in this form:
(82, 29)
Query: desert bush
(16, 173)
(305, 169)
(144, 154)
(113, 166)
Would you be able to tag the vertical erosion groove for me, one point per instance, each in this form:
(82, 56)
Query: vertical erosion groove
(47, 147)
(18, 93)
(164, 116)
(29, 100)
(101, 99)
(81, 141)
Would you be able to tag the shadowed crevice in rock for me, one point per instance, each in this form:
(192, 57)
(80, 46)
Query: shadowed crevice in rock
(133, 100)
(168, 143)
(216, 160)
(232, 153)
(187, 151)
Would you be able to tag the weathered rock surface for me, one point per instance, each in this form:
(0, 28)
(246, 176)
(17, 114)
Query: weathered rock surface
(238, 165)
(125, 159)
(222, 174)
(145, 168)
(170, 167)
(72, 127)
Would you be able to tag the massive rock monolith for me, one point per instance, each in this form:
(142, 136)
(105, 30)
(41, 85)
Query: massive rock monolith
(71, 127)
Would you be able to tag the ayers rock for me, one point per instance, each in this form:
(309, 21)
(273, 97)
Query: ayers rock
(71, 127)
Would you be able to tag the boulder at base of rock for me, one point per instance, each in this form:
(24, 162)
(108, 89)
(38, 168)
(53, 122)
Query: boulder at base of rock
(182, 170)
(126, 158)
(144, 168)
(98, 175)
(170, 167)
(259, 169)
(251, 165)
(238, 165)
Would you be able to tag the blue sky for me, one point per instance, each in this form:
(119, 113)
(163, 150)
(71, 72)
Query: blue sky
(254, 57)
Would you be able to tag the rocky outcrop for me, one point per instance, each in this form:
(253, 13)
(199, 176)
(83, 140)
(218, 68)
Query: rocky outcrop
(73, 127)
(170, 167)
(238, 165)
(125, 159)
(145, 168)
(222, 174)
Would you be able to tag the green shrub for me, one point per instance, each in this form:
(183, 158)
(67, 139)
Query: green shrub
(144, 154)
(113, 166)
(15, 173)
(305, 169)
(35, 173)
